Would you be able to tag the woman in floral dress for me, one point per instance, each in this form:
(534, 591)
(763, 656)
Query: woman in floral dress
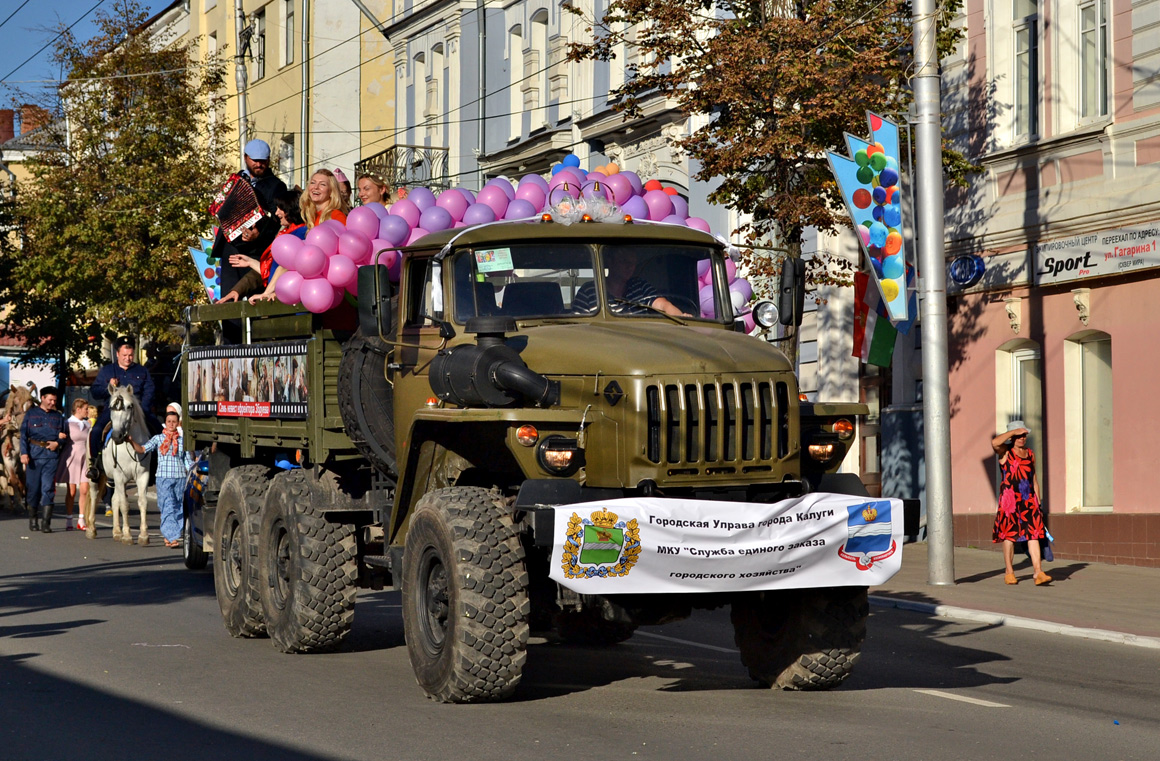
(1020, 514)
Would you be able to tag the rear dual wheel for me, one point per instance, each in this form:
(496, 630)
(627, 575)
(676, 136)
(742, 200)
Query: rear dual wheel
(235, 557)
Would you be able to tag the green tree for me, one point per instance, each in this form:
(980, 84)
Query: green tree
(780, 83)
(106, 217)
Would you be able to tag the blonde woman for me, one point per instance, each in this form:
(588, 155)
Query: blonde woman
(372, 189)
(72, 466)
(322, 200)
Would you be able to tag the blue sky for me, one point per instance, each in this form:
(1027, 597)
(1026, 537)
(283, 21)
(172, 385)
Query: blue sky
(28, 30)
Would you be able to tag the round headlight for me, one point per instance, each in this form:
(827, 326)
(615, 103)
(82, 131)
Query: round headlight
(765, 313)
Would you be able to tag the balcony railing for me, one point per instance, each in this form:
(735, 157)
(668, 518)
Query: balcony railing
(408, 166)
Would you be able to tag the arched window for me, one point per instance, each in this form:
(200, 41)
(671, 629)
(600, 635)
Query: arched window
(516, 88)
(1088, 390)
(1019, 388)
(537, 69)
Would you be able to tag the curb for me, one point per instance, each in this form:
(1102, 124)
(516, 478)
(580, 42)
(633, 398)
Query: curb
(1019, 622)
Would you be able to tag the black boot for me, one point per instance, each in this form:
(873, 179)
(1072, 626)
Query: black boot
(46, 520)
(33, 519)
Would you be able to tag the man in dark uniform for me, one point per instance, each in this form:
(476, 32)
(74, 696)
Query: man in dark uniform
(42, 434)
(254, 240)
(123, 372)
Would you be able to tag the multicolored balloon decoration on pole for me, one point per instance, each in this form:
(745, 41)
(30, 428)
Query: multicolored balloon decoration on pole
(871, 186)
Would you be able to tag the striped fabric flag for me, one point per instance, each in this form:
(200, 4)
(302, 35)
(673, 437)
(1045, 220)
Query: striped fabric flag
(874, 336)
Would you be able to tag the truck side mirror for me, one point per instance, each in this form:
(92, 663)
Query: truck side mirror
(791, 300)
(374, 300)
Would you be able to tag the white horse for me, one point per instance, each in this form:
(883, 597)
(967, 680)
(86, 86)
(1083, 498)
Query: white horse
(123, 465)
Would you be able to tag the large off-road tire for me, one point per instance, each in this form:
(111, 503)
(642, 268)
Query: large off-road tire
(592, 625)
(235, 559)
(308, 569)
(801, 639)
(192, 553)
(465, 598)
(366, 400)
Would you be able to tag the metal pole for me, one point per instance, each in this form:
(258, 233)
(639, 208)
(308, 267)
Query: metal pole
(240, 75)
(932, 288)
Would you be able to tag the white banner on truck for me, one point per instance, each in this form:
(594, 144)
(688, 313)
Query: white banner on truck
(654, 545)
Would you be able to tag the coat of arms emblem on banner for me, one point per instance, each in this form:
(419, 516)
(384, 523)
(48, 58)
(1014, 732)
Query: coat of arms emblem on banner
(870, 534)
(600, 546)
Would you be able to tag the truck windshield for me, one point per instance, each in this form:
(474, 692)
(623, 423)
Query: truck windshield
(553, 280)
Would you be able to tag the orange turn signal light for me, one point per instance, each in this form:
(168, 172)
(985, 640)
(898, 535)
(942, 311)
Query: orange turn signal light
(432, 401)
(545, 217)
(844, 428)
(527, 435)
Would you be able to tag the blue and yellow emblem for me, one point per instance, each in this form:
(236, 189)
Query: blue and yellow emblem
(600, 546)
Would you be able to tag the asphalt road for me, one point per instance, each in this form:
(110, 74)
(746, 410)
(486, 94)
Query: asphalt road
(113, 652)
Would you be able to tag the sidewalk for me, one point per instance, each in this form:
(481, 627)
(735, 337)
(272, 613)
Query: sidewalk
(1110, 602)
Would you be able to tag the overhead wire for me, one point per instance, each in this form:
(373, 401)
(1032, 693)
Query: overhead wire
(60, 34)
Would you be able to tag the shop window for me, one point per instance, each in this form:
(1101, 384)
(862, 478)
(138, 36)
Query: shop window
(1088, 387)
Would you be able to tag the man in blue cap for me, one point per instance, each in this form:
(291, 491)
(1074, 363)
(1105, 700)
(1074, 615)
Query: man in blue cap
(122, 372)
(254, 240)
(42, 434)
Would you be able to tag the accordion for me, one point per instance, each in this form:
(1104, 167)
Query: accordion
(236, 207)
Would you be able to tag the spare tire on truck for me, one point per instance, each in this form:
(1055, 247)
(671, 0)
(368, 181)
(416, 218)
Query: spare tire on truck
(801, 639)
(366, 400)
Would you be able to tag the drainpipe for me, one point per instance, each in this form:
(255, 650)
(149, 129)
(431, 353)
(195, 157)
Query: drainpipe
(370, 15)
(482, 21)
(304, 126)
(240, 73)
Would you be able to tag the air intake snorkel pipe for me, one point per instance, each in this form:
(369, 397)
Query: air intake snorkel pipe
(526, 382)
(489, 373)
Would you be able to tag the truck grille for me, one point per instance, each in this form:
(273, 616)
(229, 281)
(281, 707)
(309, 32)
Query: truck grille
(721, 426)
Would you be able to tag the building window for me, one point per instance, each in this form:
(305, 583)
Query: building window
(288, 32)
(1019, 396)
(1093, 40)
(537, 70)
(433, 108)
(259, 45)
(286, 159)
(516, 89)
(1026, 29)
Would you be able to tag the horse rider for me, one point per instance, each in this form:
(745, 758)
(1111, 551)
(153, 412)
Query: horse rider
(42, 434)
(122, 372)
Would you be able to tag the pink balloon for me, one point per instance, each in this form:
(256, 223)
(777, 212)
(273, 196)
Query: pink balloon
(423, 198)
(355, 245)
(503, 185)
(703, 267)
(659, 204)
(311, 261)
(532, 193)
(453, 202)
(730, 270)
(323, 238)
(363, 220)
(708, 308)
(416, 234)
(388, 257)
(406, 209)
(750, 323)
(467, 194)
(285, 248)
(595, 176)
(578, 175)
(494, 197)
(620, 187)
(342, 270)
(317, 294)
(532, 179)
(333, 225)
(697, 224)
(352, 286)
(339, 296)
(287, 289)
(595, 189)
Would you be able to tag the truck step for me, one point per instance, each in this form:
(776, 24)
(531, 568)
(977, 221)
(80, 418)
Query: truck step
(378, 561)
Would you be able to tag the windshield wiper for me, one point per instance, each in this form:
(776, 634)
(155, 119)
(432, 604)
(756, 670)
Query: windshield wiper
(650, 307)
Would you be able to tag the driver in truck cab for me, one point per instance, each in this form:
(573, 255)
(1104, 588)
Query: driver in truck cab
(628, 293)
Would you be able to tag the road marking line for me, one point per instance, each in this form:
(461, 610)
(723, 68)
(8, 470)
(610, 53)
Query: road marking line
(963, 699)
(688, 642)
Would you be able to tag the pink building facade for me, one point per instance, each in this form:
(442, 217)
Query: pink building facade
(1059, 101)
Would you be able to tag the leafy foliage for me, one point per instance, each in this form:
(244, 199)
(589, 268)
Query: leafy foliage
(110, 208)
(780, 83)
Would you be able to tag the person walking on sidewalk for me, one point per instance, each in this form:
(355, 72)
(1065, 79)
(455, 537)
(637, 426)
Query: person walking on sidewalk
(173, 463)
(42, 436)
(71, 469)
(1020, 514)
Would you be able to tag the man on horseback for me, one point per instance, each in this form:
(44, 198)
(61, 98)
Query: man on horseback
(122, 372)
(42, 434)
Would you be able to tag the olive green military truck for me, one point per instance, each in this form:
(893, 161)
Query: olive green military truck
(448, 437)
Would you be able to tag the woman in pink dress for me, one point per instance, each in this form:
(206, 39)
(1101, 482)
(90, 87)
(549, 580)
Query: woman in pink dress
(73, 464)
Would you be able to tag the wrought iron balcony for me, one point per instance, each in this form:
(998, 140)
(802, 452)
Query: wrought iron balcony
(408, 166)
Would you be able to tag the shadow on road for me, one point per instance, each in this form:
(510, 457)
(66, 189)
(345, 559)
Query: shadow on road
(43, 716)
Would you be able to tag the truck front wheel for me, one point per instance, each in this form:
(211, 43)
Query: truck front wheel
(465, 599)
(308, 569)
(801, 639)
(235, 556)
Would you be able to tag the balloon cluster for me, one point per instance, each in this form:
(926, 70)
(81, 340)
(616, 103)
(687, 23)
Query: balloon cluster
(740, 293)
(324, 268)
(880, 234)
